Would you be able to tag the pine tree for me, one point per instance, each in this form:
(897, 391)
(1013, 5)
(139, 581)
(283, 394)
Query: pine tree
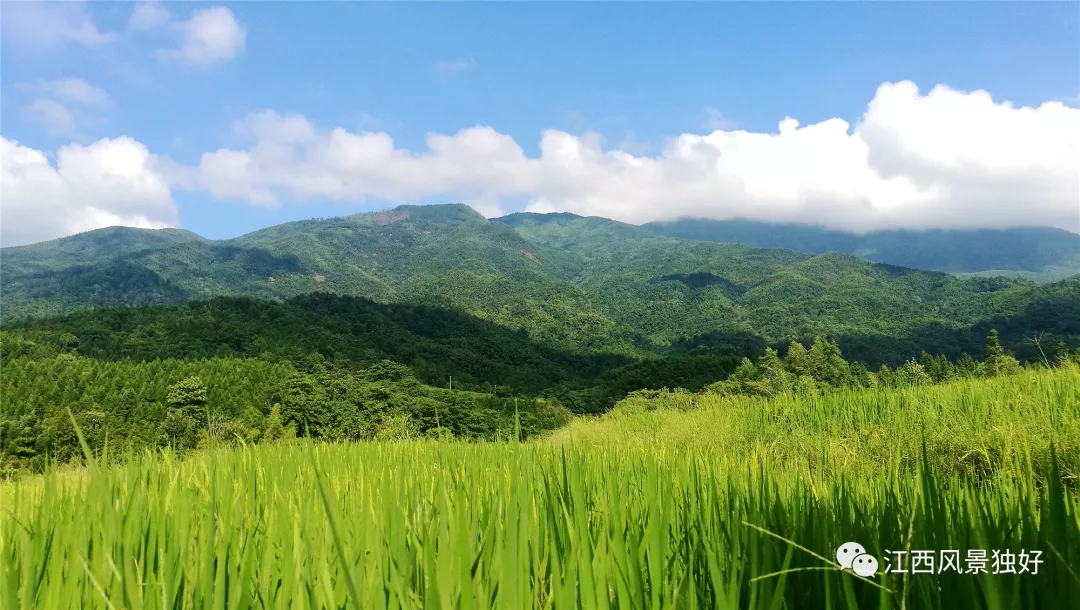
(966, 366)
(275, 426)
(998, 362)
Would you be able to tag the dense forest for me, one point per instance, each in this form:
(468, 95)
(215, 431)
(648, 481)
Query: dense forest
(573, 284)
(238, 370)
(433, 321)
(185, 404)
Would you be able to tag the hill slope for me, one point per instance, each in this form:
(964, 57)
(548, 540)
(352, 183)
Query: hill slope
(669, 288)
(570, 283)
(1037, 252)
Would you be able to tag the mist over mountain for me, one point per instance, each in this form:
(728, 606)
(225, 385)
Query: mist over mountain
(1039, 253)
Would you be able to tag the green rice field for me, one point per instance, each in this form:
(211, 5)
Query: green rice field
(671, 501)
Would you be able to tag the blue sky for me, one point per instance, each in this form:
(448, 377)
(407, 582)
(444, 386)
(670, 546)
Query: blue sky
(638, 74)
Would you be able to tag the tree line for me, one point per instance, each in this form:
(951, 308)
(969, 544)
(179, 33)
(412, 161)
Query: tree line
(131, 406)
(823, 368)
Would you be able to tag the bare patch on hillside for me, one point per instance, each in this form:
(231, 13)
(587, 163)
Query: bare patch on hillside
(385, 218)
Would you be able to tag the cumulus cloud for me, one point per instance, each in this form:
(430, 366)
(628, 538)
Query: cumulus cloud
(110, 182)
(947, 159)
(291, 159)
(942, 159)
(211, 35)
(52, 24)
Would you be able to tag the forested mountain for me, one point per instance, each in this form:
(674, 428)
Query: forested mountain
(572, 284)
(355, 332)
(434, 255)
(351, 328)
(1037, 252)
(669, 289)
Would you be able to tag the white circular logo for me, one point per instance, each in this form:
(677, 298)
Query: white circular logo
(847, 553)
(865, 565)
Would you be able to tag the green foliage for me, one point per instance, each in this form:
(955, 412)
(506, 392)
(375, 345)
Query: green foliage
(659, 508)
(203, 403)
(188, 397)
(434, 342)
(998, 362)
(823, 368)
(577, 285)
(398, 428)
(911, 374)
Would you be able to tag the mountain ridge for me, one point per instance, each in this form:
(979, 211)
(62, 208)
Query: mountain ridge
(1043, 253)
(572, 282)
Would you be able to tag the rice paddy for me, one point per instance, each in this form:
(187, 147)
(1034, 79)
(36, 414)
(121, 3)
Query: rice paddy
(673, 501)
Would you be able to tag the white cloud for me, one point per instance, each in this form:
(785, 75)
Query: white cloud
(453, 66)
(211, 35)
(290, 158)
(109, 182)
(54, 116)
(943, 159)
(52, 24)
(70, 89)
(148, 16)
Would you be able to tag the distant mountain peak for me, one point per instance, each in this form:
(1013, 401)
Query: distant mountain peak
(1042, 253)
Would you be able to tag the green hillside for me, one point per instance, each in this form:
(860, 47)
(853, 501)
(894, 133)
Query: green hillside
(1039, 253)
(572, 284)
(669, 289)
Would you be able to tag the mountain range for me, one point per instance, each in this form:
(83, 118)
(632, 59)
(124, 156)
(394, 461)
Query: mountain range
(1039, 253)
(579, 284)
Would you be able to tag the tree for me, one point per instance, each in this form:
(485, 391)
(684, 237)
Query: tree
(397, 428)
(859, 376)
(998, 361)
(304, 404)
(189, 397)
(826, 363)
(798, 359)
(966, 366)
(275, 426)
(777, 380)
(938, 367)
(912, 374)
(178, 430)
(885, 377)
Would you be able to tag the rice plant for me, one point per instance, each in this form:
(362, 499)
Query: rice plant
(723, 503)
